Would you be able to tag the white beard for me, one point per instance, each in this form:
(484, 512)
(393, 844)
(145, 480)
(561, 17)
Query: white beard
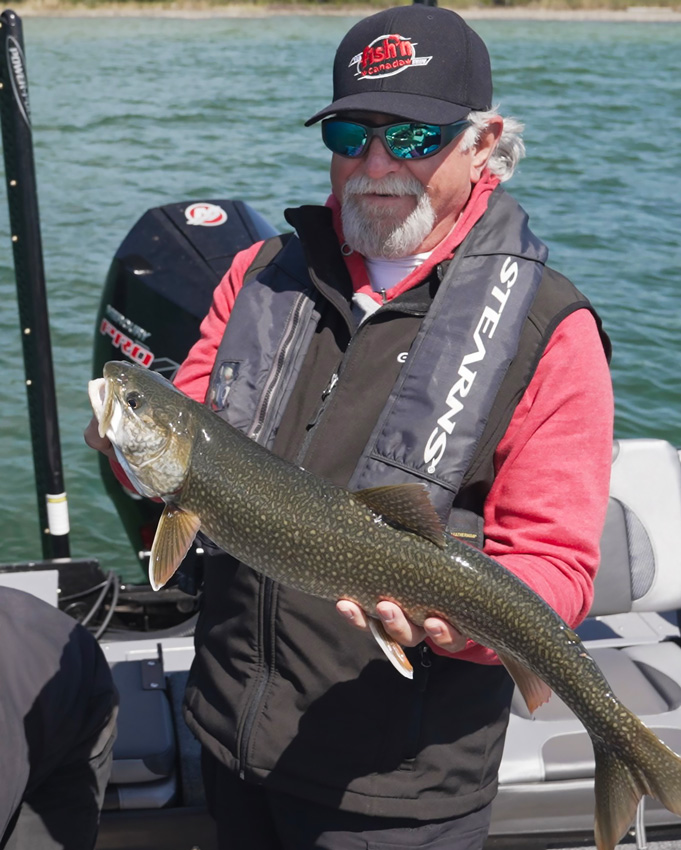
(374, 232)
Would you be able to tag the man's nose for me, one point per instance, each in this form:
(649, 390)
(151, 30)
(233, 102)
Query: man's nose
(377, 161)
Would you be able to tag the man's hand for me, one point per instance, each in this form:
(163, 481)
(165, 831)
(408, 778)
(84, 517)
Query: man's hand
(92, 438)
(399, 627)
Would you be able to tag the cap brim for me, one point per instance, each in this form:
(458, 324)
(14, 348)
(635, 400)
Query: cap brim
(413, 107)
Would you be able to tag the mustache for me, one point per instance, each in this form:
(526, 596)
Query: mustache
(391, 184)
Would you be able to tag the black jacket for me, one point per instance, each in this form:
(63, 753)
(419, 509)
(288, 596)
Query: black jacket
(281, 690)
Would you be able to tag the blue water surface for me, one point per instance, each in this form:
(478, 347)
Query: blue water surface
(132, 113)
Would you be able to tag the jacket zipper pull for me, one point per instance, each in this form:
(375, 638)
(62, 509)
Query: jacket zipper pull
(384, 299)
(322, 404)
(332, 383)
(426, 664)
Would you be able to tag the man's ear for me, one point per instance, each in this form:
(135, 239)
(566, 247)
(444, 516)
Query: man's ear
(485, 146)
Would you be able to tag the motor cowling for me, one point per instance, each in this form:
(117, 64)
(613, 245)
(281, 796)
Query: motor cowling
(158, 289)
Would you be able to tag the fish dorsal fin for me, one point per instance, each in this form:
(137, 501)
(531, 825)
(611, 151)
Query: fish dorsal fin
(394, 652)
(174, 535)
(407, 505)
(535, 691)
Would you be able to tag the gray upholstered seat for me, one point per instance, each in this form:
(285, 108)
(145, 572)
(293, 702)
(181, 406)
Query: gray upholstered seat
(546, 776)
(144, 771)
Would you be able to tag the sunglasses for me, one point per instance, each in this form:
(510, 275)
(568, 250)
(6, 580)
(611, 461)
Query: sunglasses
(406, 140)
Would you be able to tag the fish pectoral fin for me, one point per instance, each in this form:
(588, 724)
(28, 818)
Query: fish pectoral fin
(392, 648)
(534, 690)
(407, 505)
(174, 535)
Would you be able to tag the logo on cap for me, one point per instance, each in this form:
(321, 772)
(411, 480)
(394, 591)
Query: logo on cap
(387, 55)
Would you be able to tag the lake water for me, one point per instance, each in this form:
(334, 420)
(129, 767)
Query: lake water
(129, 114)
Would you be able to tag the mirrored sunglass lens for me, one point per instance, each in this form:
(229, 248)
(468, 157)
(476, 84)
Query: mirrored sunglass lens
(344, 138)
(411, 141)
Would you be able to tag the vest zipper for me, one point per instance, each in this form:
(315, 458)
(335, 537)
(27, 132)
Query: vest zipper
(288, 339)
(260, 426)
(325, 397)
(332, 383)
(266, 630)
(312, 424)
(335, 378)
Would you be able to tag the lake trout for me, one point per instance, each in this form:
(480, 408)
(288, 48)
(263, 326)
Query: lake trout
(384, 543)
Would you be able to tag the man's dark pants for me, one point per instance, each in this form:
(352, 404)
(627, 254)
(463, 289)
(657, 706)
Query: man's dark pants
(249, 816)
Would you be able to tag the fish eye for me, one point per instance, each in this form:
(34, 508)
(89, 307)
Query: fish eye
(133, 400)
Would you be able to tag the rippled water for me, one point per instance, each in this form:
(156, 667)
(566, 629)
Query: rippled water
(132, 113)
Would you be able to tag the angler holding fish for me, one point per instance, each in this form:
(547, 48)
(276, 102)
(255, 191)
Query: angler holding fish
(419, 374)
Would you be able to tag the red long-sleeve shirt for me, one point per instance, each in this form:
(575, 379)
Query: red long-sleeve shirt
(545, 512)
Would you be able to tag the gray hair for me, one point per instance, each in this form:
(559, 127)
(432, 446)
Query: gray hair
(510, 148)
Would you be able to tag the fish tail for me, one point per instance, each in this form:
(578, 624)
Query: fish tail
(649, 767)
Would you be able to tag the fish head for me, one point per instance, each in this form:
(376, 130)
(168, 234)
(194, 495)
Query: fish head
(149, 424)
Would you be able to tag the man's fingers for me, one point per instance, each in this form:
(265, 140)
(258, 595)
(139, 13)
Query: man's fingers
(398, 626)
(351, 612)
(401, 629)
(444, 635)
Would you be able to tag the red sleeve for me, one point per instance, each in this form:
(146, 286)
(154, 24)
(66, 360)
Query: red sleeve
(545, 513)
(193, 375)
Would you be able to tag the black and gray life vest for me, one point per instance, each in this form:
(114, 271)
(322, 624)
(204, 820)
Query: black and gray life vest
(449, 397)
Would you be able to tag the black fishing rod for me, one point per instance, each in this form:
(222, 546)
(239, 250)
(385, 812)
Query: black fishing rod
(22, 197)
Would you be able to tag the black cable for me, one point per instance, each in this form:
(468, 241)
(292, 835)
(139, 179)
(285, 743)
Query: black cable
(112, 606)
(82, 593)
(113, 582)
(185, 629)
(91, 613)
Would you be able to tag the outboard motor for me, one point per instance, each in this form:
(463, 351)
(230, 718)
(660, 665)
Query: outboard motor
(157, 291)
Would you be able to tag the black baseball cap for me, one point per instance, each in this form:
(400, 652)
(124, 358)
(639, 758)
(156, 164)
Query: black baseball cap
(418, 62)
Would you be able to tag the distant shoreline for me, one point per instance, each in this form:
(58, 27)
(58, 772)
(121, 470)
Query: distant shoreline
(54, 8)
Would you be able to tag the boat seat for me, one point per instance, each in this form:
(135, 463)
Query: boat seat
(144, 772)
(547, 770)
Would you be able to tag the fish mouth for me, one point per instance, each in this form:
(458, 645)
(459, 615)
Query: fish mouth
(101, 397)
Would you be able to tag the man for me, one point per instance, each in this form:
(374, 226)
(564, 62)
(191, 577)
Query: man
(57, 727)
(409, 331)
